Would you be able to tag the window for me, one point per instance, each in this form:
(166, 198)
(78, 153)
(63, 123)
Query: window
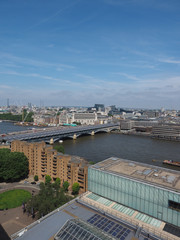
(174, 205)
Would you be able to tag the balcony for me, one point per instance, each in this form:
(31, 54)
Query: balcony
(43, 166)
(81, 174)
(80, 183)
(44, 161)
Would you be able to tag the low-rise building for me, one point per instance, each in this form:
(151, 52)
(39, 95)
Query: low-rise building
(151, 190)
(85, 118)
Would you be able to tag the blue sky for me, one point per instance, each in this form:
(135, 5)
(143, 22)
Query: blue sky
(81, 52)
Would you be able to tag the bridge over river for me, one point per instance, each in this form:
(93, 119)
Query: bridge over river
(58, 134)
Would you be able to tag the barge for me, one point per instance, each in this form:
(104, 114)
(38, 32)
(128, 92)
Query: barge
(171, 162)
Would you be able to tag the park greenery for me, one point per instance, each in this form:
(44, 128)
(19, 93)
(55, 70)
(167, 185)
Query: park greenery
(13, 166)
(26, 117)
(11, 117)
(13, 198)
(50, 197)
(59, 148)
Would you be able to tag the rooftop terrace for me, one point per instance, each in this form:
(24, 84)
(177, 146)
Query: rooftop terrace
(162, 177)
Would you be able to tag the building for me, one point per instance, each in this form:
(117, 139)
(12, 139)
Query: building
(44, 160)
(168, 131)
(85, 118)
(99, 107)
(151, 190)
(120, 187)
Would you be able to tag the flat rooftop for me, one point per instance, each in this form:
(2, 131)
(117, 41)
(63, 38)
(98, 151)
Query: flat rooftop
(86, 218)
(74, 221)
(159, 176)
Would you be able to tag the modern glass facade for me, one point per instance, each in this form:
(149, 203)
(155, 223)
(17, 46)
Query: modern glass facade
(158, 202)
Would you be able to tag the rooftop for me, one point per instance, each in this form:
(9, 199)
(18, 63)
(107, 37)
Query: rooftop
(162, 177)
(79, 219)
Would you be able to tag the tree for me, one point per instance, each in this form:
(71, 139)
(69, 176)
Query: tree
(14, 166)
(91, 162)
(58, 181)
(77, 123)
(59, 148)
(47, 179)
(27, 116)
(75, 188)
(48, 199)
(36, 178)
(66, 186)
(10, 116)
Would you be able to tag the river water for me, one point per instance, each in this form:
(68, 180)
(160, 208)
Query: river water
(137, 148)
(7, 127)
(104, 145)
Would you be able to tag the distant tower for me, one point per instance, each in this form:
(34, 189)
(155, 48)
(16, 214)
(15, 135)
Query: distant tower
(29, 105)
(8, 102)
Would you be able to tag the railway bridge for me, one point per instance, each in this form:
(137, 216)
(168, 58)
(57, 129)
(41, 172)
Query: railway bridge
(58, 134)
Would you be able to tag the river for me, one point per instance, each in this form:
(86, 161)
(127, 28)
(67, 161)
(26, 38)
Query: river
(137, 148)
(104, 145)
(7, 127)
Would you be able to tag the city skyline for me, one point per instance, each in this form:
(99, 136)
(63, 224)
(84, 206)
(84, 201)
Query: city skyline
(123, 53)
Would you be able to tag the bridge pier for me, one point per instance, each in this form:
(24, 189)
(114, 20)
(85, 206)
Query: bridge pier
(51, 141)
(74, 137)
(92, 133)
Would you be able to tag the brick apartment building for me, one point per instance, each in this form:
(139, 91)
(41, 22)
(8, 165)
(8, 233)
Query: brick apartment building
(44, 160)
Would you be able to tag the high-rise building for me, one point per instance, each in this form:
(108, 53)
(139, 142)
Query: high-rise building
(8, 102)
(99, 107)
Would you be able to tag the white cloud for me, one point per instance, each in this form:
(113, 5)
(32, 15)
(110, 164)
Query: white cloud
(169, 60)
(32, 62)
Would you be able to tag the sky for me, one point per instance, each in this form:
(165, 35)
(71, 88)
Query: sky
(81, 52)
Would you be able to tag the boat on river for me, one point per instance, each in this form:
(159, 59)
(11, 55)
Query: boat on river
(171, 162)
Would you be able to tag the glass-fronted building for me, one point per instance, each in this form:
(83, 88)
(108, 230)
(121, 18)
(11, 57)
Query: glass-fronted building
(146, 188)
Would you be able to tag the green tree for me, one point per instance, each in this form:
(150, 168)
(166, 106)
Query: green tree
(10, 116)
(47, 179)
(91, 162)
(13, 166)
(65, 186)
(27, 116)
(77, 123)
(36, 178)
(75, 188)
(58, 181)
(59, 148)
(48, 199)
